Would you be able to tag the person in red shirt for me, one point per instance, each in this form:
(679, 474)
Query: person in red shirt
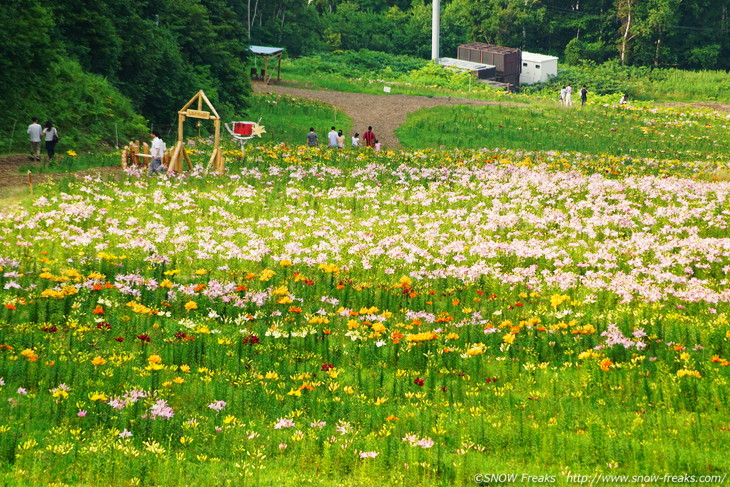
(369, 138)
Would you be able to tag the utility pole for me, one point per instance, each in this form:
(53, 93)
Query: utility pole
(436, 29)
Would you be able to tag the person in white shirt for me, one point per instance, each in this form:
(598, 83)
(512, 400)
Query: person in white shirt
(356, 140)
(157, 151)
(50, 135)
(332, 137)
(568, 96)
(34, 130)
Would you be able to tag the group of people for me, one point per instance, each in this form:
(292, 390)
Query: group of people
(49, 134)
(566, 95)
(336, 139)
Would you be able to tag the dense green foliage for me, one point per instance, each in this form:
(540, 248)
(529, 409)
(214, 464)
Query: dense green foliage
(157, 53)
(690, 35)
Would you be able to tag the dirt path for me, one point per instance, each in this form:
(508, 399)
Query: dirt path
(714, 105)
(384, 112)
(13, 181)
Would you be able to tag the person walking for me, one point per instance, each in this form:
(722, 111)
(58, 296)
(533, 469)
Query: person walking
(583, 95)
(50, 135)
(332, 138)
(340, 140)
(568, 96)
(377, 145)
(312, 138)
(369, 137)
(356, 139)
(157, 150)
(34, 130)
(562, 96)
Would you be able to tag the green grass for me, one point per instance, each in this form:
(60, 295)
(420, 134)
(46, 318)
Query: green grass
(663, 133)
(424, 80)
(288, 119)
(70, 161)
(367, 72)
(687, 86)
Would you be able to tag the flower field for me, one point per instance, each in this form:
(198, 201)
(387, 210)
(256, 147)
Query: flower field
(643, 130)
(349, 318)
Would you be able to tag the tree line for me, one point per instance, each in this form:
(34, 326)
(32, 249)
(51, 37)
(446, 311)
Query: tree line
(662, 33)
(154, 53)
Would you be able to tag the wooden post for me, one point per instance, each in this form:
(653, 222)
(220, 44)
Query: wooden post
(30, 182)
(218, 152)
(175, 158)
(187, 157)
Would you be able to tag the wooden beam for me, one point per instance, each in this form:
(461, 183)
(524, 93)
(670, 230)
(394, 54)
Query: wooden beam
(217, 147)
(187, 157)
(196, 96)
(180, 122)
(175, 163)
(209, 105)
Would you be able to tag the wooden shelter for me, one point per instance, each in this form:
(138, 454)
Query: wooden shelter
(267, 53)
(179, 153)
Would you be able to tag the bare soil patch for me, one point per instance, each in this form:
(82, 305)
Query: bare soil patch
(12, 180)
(714, 105)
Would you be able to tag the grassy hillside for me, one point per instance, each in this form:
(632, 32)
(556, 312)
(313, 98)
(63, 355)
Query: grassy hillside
(601, 127)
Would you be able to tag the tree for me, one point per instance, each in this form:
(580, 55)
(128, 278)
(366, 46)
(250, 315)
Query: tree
(26, 45)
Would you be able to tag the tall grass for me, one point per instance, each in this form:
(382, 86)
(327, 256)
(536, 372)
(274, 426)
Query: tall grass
(367, 72)
(665, 133)
(641, 82)
(688, 86)
(288, 119)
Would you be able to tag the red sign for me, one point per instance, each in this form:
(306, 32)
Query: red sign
(243, 128)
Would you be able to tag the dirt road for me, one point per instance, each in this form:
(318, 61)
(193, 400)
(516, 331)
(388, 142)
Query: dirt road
(384, 112)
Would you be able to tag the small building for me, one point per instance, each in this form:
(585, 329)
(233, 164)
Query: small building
(480, 71)
(537, 68)
(507, 60)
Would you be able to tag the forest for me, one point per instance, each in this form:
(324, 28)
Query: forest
(676, 33)
(126, 62)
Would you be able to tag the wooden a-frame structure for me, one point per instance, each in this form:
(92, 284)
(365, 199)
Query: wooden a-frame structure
(179, 153)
